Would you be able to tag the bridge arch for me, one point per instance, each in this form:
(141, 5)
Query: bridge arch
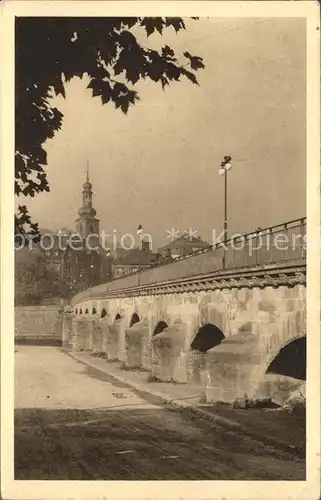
(161, 325)
(207, 337)
(117, 317)
(103, 313)
(86, 311)
(80, 311)
(134, 319)
(290, 360)
(94, 310)
(278, 335)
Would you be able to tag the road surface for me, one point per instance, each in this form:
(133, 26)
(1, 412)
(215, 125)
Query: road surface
(71, 423)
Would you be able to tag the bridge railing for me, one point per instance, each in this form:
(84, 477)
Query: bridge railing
(276, 244)
(281, 243)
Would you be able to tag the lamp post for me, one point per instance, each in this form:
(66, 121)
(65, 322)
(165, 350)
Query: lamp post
(226, 165)
(91, 268)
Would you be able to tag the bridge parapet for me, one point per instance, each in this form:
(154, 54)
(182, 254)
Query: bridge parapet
(279, 274)
(274, 247)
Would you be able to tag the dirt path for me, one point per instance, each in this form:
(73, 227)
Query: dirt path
(71, 425)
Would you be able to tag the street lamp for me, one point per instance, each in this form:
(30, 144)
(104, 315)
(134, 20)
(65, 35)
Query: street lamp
(91, 267)
(226, 165)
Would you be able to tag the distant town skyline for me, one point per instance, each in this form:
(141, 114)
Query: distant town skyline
(158, 166)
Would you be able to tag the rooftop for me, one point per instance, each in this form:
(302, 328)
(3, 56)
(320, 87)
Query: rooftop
(186, 240)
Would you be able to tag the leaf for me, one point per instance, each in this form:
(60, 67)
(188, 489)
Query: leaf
(105, 96)
(190, 76)
(167, 51)
(197, 63)
(95, 85)
(59, 87)
(120, 87)
(176, 22)
(124, 106)
(164, 82)
(159, 25)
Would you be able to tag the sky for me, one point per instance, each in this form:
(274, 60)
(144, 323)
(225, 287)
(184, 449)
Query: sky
(158, 165)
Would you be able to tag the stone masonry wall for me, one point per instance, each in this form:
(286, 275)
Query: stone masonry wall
(36, 321)
(256, 323)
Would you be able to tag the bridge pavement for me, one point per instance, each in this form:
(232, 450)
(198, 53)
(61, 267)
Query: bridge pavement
(70, 424)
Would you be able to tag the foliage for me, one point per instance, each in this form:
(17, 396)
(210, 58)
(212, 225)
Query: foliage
(51, 51)
(34, 280)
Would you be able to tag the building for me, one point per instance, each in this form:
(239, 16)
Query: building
(183, 245)
(132, 260)
(78, 256)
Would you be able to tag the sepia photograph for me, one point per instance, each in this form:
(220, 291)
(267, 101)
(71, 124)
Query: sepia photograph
(163, 221)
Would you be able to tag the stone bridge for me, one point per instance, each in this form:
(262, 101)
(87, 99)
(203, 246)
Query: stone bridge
(233, 332)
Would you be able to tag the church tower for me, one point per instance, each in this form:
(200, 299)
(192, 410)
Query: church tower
(87, 223)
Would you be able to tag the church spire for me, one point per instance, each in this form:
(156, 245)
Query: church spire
(87, 171)
(87, 221)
